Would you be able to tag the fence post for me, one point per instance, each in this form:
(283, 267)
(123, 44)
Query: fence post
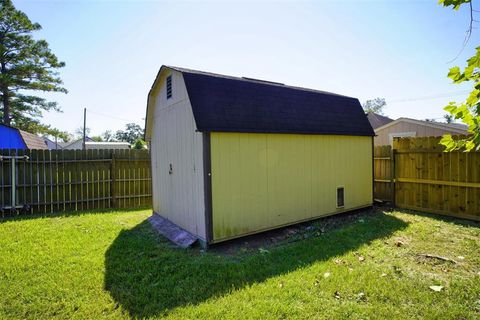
(112, 181)
(392, 175)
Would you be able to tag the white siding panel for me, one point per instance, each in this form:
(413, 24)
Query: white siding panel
(178, 196)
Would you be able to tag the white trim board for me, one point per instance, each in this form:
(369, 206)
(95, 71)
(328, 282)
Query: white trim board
(400, 135)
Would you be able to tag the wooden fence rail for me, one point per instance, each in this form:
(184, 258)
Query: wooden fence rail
(425, 178)
(70, 180)
(383, 173)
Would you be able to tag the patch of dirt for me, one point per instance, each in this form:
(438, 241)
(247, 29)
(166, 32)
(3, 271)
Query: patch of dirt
(401, 241)
(262, 241)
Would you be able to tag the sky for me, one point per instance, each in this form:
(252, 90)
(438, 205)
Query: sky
(398, 50)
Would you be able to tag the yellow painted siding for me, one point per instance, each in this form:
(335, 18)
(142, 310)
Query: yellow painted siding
(262, 181)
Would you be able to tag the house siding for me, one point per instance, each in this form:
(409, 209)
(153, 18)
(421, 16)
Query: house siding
(263, 181)
(383, 135)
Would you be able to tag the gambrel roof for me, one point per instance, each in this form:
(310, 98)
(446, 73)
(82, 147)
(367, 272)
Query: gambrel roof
(232, 104)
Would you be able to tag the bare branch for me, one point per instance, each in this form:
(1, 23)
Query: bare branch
(468, 33)
(434, 256)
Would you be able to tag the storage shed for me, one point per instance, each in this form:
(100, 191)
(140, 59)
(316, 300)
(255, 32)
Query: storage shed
(235, 156)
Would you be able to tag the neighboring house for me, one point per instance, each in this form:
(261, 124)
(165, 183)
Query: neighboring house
(53, 145)
(13, 138)
(90, 145)
(74, 144)
(235, 156)
(406, 127)
(377, 120)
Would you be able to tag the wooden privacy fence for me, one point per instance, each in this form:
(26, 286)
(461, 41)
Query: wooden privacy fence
(383, 173)
(70, 180)
(416, 174)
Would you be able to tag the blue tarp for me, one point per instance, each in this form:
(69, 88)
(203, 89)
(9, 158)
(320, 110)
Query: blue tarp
(10, 138)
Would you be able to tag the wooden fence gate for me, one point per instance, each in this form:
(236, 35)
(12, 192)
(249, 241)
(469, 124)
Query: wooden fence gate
(70, 180)
(416, 174)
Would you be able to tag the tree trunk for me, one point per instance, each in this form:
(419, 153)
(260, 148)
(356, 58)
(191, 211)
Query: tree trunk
(5, 100)
(6, 107)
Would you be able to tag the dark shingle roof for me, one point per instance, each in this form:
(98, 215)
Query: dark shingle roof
(230, 104)
(377, 120)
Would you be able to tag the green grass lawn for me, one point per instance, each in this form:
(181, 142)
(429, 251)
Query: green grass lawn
(113, 265)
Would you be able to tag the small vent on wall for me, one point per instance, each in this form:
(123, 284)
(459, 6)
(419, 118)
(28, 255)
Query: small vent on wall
(340, 197)
(169, 87)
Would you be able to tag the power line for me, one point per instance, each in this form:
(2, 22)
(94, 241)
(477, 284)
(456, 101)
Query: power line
(430, 97)
(109, 116)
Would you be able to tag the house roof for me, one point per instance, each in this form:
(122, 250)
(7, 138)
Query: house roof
(65, 145)
(33, 141)
(108, 143)
(232, 104)
(90, 144)
(377, 120)
(456, 128)
(52, 145)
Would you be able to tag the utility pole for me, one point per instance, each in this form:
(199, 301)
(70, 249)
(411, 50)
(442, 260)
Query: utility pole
(84, 147)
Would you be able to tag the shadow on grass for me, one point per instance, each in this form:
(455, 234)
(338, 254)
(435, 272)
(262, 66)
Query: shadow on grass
(445, 218)
(149, 277)
(66, 214)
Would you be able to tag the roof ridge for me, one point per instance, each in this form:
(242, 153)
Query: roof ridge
(249, 79)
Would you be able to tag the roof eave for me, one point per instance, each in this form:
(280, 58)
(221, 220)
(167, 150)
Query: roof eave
(420, 122)
(318, 133)
(147, 133)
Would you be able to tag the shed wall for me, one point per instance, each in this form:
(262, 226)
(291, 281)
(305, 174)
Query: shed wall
(10, 138)
(177, 158)
(383, 136)
(263, 181)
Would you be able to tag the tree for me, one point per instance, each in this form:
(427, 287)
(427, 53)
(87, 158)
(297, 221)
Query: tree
(139, 144)
(132, 132)
(26, 65)
(469, 110)
(448, 118)
(108, 136)
(79, 132)
(57, 134)
(376, 105)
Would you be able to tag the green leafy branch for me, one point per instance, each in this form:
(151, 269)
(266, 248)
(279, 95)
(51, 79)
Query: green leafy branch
(469, 110)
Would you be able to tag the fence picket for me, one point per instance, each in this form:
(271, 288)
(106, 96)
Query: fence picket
(428, 179)
(73, 180)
